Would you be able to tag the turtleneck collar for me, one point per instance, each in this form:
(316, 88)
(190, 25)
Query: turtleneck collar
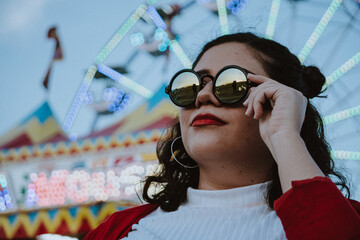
(235, 198)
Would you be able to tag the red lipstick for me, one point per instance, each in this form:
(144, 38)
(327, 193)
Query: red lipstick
(207, 119)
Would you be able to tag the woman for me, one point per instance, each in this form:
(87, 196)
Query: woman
(236, 148)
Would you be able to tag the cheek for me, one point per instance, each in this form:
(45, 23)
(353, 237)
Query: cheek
(184, 116)
(244, 128)
(251, 137)
(181, 120)
(184, 119)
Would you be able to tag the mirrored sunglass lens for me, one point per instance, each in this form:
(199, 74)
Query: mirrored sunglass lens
(231, 85)
(184, 88)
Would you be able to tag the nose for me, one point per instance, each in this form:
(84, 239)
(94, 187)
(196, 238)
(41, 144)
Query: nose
(206, 96)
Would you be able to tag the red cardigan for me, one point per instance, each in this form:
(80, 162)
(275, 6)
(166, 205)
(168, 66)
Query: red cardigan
(312, 209)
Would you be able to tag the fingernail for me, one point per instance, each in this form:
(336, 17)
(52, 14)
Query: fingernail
(245, 102)
(247, 111)
(254, 115)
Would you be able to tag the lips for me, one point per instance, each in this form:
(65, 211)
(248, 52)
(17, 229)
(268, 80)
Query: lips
(207, 119)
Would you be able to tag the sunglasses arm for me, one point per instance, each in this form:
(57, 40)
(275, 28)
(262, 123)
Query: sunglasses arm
(251, 84)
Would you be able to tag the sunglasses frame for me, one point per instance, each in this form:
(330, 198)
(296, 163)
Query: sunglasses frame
(213, 79)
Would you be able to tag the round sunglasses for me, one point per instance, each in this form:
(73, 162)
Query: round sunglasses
(230, 85)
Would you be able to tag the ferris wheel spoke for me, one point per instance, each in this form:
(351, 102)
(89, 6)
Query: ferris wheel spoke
(156, 18)
(179, 52)
(342, 115)
(274, 12)
(100, 58)
(123, 80)
(345, 155)
(123, 30)
(345, 32)
(223, 19)
(344, 68)
(78, 100)
(343, 101)
(314, 37)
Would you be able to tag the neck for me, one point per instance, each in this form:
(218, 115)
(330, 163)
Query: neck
(232, 173)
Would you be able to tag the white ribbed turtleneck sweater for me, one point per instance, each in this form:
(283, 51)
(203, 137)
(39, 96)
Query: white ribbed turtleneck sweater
(238, 213)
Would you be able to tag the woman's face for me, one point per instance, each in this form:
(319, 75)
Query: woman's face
(236, 133)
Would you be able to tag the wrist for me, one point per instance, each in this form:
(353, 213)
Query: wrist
(279, 140)
(281, 136)
(293, 159)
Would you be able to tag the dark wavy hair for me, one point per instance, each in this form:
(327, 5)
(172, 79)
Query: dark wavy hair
(283, 66)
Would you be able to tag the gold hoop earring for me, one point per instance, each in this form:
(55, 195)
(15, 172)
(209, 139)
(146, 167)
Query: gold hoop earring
(173, 155)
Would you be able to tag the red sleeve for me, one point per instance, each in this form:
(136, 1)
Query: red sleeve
(119, 224)
(316, 209)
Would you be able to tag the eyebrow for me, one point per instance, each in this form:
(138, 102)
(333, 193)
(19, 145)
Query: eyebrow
(207, 71)
(203, 72)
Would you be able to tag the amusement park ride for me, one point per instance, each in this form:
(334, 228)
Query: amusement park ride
(113, 159)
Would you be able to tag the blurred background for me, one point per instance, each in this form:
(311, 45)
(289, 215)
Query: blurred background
(82, 97)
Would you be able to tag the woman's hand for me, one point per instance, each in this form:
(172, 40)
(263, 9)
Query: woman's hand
(280, 109)
(281, 112)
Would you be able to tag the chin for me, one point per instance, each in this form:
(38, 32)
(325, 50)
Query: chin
(206, 146)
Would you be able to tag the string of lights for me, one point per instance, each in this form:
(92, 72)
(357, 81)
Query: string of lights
(161, 35)
(179, 52)
(120, 78)
(223, 17)
(80, 186)
(345, 155)
(137, 39)
(274, 12)
(348, 113)
(349, 64)
(319, 29)
(117, 98)
(6, 201)
(236, 6)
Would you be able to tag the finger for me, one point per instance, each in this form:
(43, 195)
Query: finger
(248, 109)
(260, 96)
(259, 101)
(259, 79)
(254, 91)
(250, 98)
(245, 103)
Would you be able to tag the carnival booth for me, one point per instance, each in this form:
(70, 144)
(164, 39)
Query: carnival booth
(49, 184)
